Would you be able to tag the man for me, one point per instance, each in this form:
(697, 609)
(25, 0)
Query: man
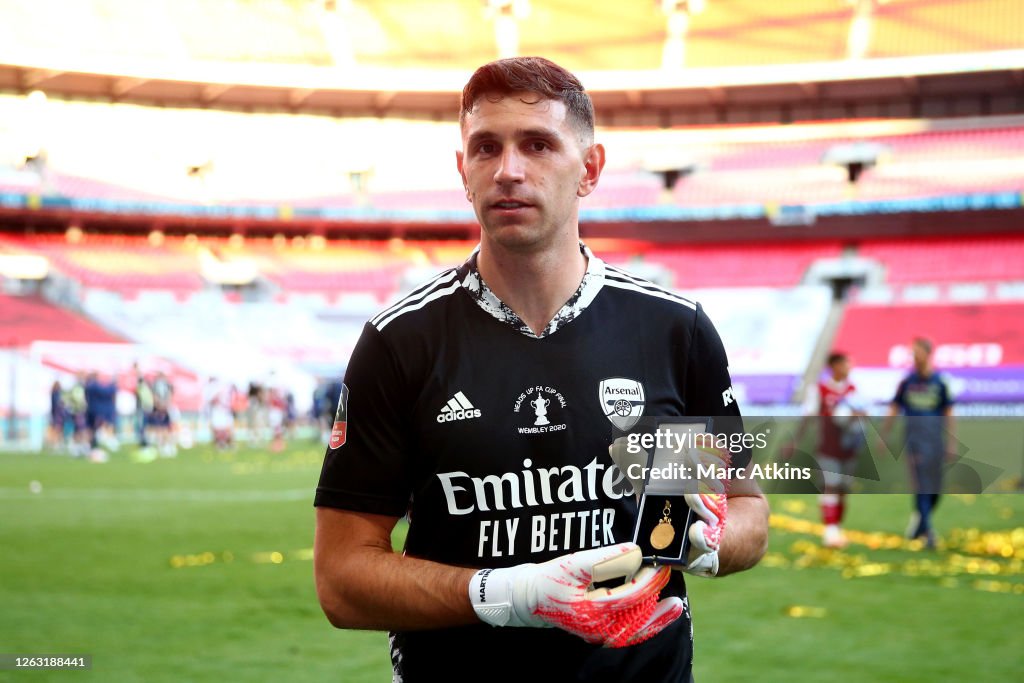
(55, 435)
(475, 405)
(143, 405)
(835, 403)
(924, 397)
(77, 406)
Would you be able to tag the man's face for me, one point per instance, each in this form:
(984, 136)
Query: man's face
(841, 369)
(921, 356)
(524, 168)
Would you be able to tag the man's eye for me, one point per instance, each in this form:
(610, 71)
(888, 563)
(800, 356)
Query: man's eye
(486, 148)
(538, 146)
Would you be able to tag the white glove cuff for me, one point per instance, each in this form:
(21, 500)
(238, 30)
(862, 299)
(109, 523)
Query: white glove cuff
(490, 591)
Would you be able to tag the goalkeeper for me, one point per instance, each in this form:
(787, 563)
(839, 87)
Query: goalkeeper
(482, 405)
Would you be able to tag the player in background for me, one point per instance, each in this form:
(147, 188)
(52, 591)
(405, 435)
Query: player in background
(55, 439)
(926, 401)
(219, 401)
(836, 407)
(77, 406)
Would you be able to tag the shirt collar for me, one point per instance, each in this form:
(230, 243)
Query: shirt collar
(590, 285)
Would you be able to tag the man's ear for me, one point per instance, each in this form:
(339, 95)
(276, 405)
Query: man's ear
(459, 157)
(593, 164)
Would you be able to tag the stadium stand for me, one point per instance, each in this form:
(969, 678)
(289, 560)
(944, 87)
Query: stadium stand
(370, 268)
(237, 340)
(313, 163)
(932, 259)
(24, 320)
(741, 265)
(123, 264)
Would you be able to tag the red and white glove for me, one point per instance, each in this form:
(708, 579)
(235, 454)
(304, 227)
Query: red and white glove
(705, 533)
(710, 504)
(560, 593)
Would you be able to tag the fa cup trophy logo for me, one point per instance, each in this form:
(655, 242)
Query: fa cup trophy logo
(540, 406)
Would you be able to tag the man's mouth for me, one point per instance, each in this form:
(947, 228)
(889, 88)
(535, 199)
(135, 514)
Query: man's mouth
(509, 205)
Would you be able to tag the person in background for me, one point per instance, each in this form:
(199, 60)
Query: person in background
(276, 408)
(255, 413)
(926, 402)
(144, 400)
(290, 414)
(163, 390)
(836, 407)
(55, 438)
(77, 406)
(103, 406)
(219, 402)
(160, 430)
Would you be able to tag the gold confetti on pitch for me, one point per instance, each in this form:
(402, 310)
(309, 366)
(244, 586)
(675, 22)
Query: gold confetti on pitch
(227, 556)
(805, 612)
(993, 560)
(794, 507)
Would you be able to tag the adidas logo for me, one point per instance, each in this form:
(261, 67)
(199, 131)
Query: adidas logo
(457, 408)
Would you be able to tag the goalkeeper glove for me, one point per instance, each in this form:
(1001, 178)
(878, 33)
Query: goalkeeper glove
(559, 593)
(711, 507)
(706, 533)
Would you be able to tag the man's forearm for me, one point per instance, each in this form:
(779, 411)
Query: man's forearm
(366, 585)
(745, 539)
(386, 591)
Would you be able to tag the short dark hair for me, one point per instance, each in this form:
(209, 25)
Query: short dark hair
(836, 357)
(532, 74)
(925, 343)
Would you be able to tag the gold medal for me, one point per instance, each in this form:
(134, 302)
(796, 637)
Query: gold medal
(663, 534)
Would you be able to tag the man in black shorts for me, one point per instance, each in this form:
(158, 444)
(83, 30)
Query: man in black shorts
(483, 403)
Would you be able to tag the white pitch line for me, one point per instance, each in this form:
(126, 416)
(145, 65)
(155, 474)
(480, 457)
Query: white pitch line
(166, 495)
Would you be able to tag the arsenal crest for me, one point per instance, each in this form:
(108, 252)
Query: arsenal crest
(622, 401)
(338, 433)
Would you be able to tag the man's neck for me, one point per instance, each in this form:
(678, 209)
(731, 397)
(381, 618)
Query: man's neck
(534, 285)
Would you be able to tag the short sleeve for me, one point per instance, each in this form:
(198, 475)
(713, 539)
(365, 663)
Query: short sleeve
(900, 398)
(366, 467)
(948, 398)
(709, 391)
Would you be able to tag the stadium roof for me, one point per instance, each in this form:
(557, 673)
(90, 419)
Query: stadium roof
(746, 60)
(583, 35)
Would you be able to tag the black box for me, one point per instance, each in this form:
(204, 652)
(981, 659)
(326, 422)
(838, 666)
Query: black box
(664, 498)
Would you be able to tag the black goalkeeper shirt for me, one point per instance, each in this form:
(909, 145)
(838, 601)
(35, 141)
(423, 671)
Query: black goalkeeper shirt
(495, 441)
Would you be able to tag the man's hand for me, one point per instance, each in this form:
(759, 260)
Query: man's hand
(710, 504)
(560, 593)
(706, 533)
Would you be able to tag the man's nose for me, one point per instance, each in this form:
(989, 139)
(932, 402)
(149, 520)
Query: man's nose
(510, 167)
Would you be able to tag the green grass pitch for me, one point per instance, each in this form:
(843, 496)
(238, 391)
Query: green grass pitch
(199, 568)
